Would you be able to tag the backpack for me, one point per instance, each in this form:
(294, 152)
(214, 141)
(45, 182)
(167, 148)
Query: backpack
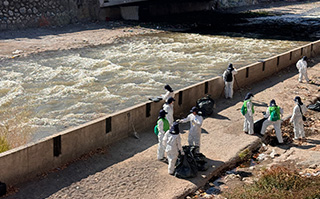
(156, 130)
(274, 113)
(243, 109)
(228, 77)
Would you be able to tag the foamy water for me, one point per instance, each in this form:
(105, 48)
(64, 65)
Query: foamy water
(63, 89)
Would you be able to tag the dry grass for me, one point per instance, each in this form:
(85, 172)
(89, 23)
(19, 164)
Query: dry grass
(14, 129)
(279, 182)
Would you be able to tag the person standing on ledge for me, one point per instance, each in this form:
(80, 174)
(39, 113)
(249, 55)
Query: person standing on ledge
(248, 111)
(172, 141)
(302, 67)
(163, 127)
(273, 114)
(195, 127)
(228, 77)
(168, 107)
(297, 119)
(168, 94)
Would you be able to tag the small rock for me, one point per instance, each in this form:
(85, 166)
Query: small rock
(313, 166)
(17, 52)
(23, 10)
(6, 3)
(261, 157)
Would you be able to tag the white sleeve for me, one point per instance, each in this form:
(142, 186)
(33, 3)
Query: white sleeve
(224, 75)
(249, 108)
(165, 138)
(267, 113)
(281, 110)
(160, 126)
(166, 108)
(293, 114)
(198, 121)
(187, 119)
(166, 96)
(179, 143)
(234, 71)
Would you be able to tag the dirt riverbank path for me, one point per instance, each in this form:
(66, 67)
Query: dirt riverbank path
(129, 169)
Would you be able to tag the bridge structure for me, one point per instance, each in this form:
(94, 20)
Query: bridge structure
(144, 9)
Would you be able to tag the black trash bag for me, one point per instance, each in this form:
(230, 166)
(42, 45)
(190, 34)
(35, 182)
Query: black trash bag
(257, 126)
(199, 158)
(186, 166)
(155, 99)
(315, 107)
(206, 105)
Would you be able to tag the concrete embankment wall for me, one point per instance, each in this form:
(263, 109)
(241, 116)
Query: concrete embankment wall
(25, 162)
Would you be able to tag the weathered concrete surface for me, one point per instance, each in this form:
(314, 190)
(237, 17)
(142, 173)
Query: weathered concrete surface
(129, 169)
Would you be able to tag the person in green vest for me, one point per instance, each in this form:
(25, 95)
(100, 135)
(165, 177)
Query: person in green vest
(163, 126)
(247, 110)
(273, 114)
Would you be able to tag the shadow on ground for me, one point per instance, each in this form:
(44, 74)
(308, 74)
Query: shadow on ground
(48, 184)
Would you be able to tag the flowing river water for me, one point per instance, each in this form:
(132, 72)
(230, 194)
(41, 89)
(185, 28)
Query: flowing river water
(66, 88)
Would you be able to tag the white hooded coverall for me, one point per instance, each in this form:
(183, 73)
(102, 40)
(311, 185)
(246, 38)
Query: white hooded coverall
(166, 96)
(173, 145)
(276, 125)
(161, 146)
(296, 118)
(228, 86)
(248, 119)
(195, 129)
(169, 109)
(302, 67)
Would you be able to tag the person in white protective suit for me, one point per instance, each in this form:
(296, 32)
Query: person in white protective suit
(169, 93)
(273, 114)
(195, 127)
(248, 114)
(228, 77)
(172, 140)
(297, 120)
(163, 127)
(302, 67)
(168, 107)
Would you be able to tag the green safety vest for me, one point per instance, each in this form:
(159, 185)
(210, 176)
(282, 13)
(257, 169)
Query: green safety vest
(166, 126)
(244, 108)
(274, 113)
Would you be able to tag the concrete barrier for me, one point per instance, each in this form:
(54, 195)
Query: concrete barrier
(25, 162)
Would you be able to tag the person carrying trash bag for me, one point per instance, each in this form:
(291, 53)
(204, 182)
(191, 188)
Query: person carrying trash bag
(302, 68)
(168, 107)
(162, 127)
(247, 110)
(172, 141)
(228, 77)
(297, 118)
(195, 127)
(168, 94)
(273, 114)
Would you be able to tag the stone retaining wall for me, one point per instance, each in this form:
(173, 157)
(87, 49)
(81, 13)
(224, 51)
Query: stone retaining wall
(19, 14)
(56, 150)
